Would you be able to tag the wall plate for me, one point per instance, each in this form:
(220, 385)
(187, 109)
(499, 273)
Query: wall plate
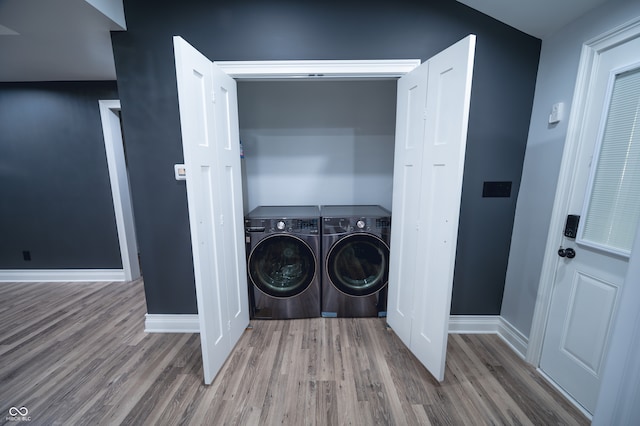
(180, 171)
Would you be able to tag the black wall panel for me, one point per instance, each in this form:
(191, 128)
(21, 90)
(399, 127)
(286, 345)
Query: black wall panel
(502, 96)
(55, 195)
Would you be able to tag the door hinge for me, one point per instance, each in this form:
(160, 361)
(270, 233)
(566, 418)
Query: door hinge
(229, 325)
(424, 114)
(213, 96)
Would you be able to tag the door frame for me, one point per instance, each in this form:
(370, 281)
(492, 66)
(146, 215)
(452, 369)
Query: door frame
(382, 69)
(589, 60)
(120, 192)
(290, 70)
(315, 70)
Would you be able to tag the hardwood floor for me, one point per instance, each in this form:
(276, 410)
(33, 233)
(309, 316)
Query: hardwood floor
(76, 353)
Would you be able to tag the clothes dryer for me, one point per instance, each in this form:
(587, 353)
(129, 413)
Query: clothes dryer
(283, 261)
(355, 252)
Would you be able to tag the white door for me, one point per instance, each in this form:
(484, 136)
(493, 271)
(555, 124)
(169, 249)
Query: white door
(232, 219)
(431, 134)
(607, 174)
(407, 169)
(209, 122)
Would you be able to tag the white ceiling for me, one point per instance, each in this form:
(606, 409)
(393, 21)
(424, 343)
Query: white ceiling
(58, 40)
(67, 40)
(539, 18)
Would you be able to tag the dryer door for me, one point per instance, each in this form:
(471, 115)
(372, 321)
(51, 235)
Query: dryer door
(358, 264)
(282, 266)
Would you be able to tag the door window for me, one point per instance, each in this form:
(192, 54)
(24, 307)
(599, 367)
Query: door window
(613, 205)
(282, 266)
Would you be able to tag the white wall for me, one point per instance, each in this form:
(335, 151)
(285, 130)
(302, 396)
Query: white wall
(317, 142)
(557, 74)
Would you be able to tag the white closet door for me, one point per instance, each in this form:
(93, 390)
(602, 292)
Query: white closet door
(208, 115)
(230, 191)
(420, 282)
(407, 168)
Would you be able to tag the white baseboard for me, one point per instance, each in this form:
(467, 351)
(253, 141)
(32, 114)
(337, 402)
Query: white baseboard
(61, 275)
(188, 323)
(513, 337)
(489, 324)
(474, 324)
(458, 324)
(171, 323)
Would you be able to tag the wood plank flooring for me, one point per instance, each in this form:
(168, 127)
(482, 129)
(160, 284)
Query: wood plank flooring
(76, 354)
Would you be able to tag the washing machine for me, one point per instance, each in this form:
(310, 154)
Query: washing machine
(283, 261)
(355, 253)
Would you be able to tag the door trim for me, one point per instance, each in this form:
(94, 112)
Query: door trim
(383, 68)
(120, 193)
(589, 61)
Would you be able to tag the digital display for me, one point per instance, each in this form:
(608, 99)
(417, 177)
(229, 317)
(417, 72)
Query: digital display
(308, 224)
(383, 223)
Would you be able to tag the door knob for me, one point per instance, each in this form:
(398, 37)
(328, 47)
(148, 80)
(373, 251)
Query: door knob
(569, 253)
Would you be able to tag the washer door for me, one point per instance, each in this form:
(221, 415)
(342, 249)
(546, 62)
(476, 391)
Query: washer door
(282, 266)
(358, 264)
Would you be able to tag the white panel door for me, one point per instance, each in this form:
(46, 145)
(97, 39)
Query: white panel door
(427, 190)
(230, 177)
(208, 115)
(587, 287)
(410, 126)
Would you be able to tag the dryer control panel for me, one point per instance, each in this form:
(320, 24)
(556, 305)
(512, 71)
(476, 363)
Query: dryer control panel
(309, 226)
(341, 225)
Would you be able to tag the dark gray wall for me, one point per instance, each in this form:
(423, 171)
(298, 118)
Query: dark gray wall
(55, 196)
(504, 79)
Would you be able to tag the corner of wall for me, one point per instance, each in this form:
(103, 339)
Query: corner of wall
(490, 324)
(513, 337)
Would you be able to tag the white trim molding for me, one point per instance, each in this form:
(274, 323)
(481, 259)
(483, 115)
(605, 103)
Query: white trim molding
(490, 324)
(61, 275)
(120, 193)
(513, 337)
(474, 324)
(458, 324)
(393, 68)
(171, 323)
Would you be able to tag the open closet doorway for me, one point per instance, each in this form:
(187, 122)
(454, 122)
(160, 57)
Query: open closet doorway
(120, 192)
(431, 128)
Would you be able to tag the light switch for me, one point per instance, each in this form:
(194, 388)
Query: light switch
(180, 171)
(557, 113)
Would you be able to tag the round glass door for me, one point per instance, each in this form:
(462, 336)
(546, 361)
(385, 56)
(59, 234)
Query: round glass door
(282, 266)
(358, 265)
